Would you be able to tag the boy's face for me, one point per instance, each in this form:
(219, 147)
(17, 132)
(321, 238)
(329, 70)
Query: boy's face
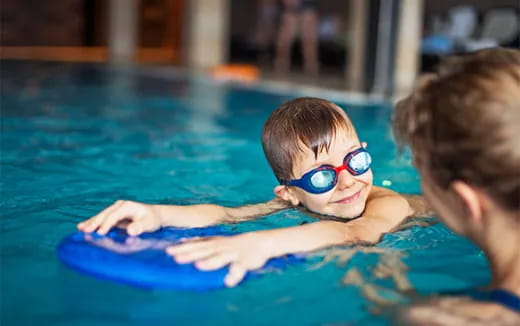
(348, 198)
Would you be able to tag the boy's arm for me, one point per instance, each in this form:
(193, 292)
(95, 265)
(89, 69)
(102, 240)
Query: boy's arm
(209, 214)
(139, 217)
(385, 209)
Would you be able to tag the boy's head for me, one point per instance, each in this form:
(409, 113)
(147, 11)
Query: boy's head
(463, 125)
(307, 133)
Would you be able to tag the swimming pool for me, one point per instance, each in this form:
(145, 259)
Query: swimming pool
(77, 137)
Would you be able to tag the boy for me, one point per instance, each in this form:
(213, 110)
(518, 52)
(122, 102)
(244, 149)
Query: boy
(321, 165)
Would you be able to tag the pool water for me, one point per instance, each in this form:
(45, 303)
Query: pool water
(77, 137)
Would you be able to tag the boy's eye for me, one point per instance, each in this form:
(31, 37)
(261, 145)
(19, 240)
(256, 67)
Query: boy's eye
(322, 178)
(361, 160)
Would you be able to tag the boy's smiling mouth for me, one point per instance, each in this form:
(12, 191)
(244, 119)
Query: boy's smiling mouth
(349, 199)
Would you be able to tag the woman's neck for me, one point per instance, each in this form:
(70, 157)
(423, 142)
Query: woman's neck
(502, 248)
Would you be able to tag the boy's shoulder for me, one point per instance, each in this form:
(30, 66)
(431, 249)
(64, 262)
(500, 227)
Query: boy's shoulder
(377, 191)
(418, 205)
(388, 202)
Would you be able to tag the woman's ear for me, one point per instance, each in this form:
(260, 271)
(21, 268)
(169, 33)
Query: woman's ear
(364, 144)
(286, 194)
(470, 199)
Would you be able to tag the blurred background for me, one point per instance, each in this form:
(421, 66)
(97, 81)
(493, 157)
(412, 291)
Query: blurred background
(367, 46)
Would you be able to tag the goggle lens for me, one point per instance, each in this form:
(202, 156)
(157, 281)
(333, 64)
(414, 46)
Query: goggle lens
(323, 179)
(360, 162)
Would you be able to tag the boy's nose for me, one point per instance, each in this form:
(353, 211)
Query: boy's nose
(345, 180)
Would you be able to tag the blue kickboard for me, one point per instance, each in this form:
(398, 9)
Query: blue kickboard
(142, 261)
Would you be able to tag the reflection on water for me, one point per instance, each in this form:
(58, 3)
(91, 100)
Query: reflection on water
(130, 244)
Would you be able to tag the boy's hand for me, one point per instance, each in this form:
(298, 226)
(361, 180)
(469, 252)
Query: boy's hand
(243, 252)
(142, 218)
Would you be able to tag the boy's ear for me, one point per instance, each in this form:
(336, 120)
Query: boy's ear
(364, 144)
(470, 199)
(286, 194)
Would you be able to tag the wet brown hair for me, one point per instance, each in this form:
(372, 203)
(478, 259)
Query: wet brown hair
(305, 121)
(463, 123)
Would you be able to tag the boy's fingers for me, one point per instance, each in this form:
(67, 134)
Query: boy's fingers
(139, 226)
(93, 223)
(190, 256)
(123, 211)
(123, 224)
(90, 224)
(135, 228)
(235, 275)
(216, 261)
(186, 247)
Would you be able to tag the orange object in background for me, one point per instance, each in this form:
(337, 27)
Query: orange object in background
(236, 72)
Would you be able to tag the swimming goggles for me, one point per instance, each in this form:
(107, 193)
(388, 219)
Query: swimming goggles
(325, 177)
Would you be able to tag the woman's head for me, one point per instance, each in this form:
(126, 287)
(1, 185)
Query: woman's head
(463, 124)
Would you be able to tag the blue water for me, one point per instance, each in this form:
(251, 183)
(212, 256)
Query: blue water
(76, 137)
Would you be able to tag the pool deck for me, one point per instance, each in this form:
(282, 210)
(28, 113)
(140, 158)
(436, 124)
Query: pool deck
(329, 86)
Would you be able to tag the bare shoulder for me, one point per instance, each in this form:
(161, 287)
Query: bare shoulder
(387, 202)
(458, 311)
(378, 192)
(420, 207)
(387, 195)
